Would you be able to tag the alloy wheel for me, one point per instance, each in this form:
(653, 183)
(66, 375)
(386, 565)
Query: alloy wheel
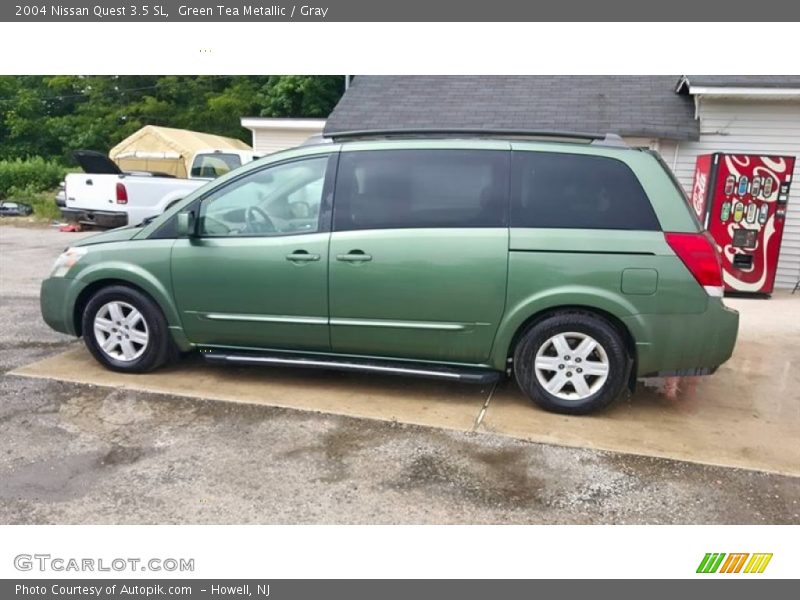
(571, 366)
(121, 331)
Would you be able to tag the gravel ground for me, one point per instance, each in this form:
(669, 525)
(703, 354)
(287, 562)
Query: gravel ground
(74, 453)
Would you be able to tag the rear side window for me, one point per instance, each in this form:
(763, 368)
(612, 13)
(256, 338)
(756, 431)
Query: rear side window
(213, 165)
(396, 189)
(577, 191)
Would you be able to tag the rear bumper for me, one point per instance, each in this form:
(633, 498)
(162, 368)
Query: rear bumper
(97, 218)
(687, 344)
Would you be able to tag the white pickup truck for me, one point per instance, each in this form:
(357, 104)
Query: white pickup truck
(105, 196)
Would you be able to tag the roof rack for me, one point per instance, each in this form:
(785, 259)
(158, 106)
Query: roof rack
(600, 139)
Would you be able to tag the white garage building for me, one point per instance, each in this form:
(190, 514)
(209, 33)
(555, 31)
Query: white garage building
(680, 116)
(273, 135)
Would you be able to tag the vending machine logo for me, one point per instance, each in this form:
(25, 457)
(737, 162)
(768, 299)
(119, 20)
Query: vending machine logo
(699, 193)
(734, 563)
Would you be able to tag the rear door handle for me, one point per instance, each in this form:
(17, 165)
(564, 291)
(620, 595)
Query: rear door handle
(354, 256)
(302, 256)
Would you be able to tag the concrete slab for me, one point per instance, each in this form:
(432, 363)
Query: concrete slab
(415, 401)
(747, 415)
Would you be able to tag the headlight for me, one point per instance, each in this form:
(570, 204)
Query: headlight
(67, 259)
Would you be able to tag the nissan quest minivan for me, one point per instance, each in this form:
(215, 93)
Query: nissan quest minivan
(572, 262)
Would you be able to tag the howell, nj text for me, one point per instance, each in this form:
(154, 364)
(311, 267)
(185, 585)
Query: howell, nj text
(242, 590)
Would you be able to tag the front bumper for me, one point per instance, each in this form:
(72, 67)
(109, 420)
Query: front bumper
(684, 344)
(96, 218)
(57, 299)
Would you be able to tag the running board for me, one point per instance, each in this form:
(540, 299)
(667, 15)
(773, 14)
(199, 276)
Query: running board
(410, 369)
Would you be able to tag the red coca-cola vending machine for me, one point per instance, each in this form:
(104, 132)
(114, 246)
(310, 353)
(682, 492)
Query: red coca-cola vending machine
(741, 199)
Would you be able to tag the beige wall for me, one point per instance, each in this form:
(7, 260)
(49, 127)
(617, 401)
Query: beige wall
(269, 140)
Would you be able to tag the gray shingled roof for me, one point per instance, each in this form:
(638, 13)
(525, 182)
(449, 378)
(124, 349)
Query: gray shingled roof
(626, 105)
(751, 81)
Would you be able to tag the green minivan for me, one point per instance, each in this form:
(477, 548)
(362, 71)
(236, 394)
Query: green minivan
(572, 262)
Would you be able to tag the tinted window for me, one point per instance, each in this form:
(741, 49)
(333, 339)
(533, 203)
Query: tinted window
(421, 188)
(577, 191)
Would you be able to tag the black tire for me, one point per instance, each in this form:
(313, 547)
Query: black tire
(612, 352)
(159, 349)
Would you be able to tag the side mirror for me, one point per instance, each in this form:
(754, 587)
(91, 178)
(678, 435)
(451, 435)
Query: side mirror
(186, 225)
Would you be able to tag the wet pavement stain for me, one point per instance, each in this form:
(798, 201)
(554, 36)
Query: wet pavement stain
(122, 455)
(490, 478)
(335, 449)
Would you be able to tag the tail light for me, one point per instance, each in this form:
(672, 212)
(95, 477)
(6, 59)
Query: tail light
(698, 251)
(122, 194)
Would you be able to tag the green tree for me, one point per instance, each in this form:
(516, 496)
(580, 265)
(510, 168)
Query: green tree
(301, 95)
(53, 116)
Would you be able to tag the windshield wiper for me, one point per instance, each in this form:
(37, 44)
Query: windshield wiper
(147, 220)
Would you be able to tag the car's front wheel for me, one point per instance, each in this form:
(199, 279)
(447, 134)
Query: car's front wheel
(572, 362)
(126, 331)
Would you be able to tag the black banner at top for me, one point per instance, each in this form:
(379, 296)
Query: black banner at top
(404, 11)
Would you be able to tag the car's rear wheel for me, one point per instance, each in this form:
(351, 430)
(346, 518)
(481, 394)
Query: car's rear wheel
(126, 331)
(572, 362)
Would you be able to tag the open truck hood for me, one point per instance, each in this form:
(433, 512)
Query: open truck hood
(96, 163)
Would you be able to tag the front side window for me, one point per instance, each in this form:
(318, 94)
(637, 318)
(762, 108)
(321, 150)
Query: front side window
(278, 200)
(577, 191)
(396, 189)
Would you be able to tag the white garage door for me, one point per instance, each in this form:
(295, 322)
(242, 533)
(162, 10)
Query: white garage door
(749, 127)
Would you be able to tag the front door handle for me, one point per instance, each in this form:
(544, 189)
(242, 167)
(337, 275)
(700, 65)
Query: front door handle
(354, 256)
(302, 256)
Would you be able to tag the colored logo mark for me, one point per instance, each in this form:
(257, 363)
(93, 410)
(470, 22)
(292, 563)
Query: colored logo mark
(751, 212)
(738, 562)
(763, 213)
(738, 212)
(725, 213)
(755, 188)
(743, 185)
(730, 185)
